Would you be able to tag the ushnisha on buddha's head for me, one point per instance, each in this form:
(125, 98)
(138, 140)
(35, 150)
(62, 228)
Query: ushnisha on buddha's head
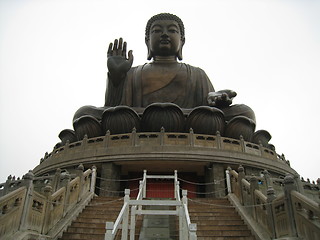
(164, 36)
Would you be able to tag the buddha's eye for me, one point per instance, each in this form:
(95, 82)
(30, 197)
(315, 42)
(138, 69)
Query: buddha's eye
(156, 30)
(173, 31)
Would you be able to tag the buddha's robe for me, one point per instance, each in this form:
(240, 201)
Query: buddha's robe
(186, 86)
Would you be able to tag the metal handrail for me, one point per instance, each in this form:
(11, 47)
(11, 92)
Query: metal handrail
(187, 229)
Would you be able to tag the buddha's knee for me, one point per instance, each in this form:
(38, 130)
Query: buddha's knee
(238, 110)
(87, 121)
(95, 112)
(240, 121)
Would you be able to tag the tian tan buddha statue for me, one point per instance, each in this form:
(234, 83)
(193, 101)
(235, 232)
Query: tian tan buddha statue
(162, 93)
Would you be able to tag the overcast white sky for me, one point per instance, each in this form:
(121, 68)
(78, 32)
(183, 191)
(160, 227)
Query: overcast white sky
(53, 60)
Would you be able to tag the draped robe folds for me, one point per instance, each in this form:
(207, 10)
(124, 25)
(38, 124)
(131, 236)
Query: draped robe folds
(129, 92)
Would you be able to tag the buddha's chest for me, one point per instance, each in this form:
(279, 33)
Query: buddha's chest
(155, 77)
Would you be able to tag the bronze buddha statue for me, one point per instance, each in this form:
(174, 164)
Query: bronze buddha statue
(144, 96)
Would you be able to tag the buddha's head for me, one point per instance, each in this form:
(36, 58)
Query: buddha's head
(165, 36)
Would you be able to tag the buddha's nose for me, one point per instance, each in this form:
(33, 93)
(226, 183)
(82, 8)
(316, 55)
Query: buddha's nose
(165, 34)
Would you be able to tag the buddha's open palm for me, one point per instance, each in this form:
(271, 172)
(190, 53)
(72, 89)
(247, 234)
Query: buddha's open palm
(118, 63)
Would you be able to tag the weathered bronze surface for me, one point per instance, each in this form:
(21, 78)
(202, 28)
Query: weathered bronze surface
(163, 80)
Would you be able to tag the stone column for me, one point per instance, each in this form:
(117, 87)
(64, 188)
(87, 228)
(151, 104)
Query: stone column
(215, 174)
(109, 184)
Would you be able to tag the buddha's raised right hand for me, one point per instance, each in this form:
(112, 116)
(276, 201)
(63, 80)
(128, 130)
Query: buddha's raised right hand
(118, 63)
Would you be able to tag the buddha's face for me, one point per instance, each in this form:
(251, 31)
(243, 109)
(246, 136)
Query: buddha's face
(165, 38)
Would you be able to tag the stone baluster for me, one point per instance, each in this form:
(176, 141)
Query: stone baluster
(191, 137)
(288, 187)
(162, 131)
(134, 137)
(219, 140)
(270, 212)
(242, 144)
(107, 139)
(48, 193)
(253, 186)
(241, 175)
(56, 180)
(7, 184)
(266, 176)
(65, 180)
(84, 141)
(28, 182)
(79, 173)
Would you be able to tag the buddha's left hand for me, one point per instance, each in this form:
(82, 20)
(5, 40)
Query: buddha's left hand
(221, 98)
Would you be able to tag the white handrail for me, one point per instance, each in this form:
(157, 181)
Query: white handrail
(119, 219)
(188, 230)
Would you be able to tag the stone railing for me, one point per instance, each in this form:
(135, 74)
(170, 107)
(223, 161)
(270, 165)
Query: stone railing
(290, 214)
(27, 212)
(162, 138)
(310, 190)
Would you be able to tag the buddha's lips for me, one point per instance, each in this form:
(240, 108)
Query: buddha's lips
(166, 41)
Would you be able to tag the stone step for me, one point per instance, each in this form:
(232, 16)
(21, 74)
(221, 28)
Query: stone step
(77, 224)
(100, 216)
(78, 236)
(221, 233)
(214, 214)
(215, 219)
(226, 238)
(221, 227)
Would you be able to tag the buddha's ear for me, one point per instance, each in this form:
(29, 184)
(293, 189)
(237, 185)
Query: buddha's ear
(149, 51)
(179, 55)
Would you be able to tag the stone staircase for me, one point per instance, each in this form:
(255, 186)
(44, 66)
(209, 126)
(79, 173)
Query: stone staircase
(216, 219)
(90, 224)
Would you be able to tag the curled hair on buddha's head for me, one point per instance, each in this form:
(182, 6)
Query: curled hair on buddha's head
(164, 16)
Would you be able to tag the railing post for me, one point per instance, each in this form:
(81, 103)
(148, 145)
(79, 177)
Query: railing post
(270, 214)
(162, 131)
(79, 172)
(253, 187)
(185, 227)
(241, 176)
(228, 180)
(109, 228)
(28, 182)
(145, 184)
(47, 192)
(141, 188)
(288, 187)
(219, 140)
(243, 146)
(184, 197)
(56, 180)
(193, 231)
(182, 224)
(191, 137)
(93, 179)
(134, 137)
(6, 187)
(65, 183)
(266, 176)
(133, 222)
(107, 139)
(125, 221)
